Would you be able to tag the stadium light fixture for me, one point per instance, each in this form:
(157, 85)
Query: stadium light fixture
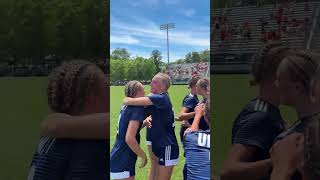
(167, 27)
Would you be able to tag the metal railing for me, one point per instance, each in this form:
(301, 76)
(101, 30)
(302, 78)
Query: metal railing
(314, 29)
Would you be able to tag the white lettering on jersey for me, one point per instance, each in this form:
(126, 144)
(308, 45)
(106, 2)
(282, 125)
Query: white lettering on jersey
(204, 140)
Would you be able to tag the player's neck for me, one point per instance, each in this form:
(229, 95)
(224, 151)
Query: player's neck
(267, 93)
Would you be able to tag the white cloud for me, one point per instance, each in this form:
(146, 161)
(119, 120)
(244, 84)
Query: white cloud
(140, 36)
(127, 39)
(184, 37)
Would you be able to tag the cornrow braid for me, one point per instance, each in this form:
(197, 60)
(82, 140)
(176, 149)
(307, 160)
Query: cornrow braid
(131, 88)
(68, 85)
(265, 63)
(312, 147)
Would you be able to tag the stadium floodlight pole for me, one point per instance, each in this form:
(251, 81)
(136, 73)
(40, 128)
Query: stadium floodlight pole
(167, 27)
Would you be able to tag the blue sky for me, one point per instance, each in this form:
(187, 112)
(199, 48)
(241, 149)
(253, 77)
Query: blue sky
(135, 25)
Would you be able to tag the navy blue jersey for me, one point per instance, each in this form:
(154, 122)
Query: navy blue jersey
(51, 160)
(190, 101)
(69, 159)
(89, 160)
(162, 132)
(197, 152)
(122, 157)
(203, 125)
(298, 127)
(148, 112)
(258, 124)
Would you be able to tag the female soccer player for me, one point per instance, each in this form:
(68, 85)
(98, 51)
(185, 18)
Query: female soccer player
(164, 143)
(296, 80)
(294, 77)
(260, 121)
(189, 102)
(197, 149)
(126, 148)
(187, 113)
(75, 88)
(203, 89)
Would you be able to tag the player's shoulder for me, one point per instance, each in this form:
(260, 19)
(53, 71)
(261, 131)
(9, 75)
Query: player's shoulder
(190, 97)
(134, 108)
(259, 105)
(256, 110)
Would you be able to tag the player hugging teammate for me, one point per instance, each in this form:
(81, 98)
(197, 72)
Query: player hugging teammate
(157, 112)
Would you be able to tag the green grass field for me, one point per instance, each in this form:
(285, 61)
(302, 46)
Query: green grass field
(24, 105)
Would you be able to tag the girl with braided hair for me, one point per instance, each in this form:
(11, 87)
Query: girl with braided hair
(76, 88)
(260, 121)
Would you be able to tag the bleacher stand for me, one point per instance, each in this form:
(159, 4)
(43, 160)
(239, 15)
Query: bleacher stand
(181, 73)
(248, 27)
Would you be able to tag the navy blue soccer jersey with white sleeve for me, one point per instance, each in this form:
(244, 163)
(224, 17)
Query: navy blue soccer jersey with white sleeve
(122, 158)
(51, 159)
(162, 131)
(197, 151)
(69, 159)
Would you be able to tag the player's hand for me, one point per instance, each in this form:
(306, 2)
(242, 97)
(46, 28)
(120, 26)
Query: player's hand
(189, 130)
(148, 122)
(126, 100)
(143, 161)
(287, 154)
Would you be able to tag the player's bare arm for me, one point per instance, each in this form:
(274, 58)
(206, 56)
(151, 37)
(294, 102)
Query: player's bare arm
(141, 101)
(132, 142)
(94, 126)
(185, 114)
(238, 164)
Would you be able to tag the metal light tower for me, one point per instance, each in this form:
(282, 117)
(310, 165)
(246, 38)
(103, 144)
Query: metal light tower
(167, 27)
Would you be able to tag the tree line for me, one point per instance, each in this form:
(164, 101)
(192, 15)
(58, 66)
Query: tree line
(125, 67)
(33, 32)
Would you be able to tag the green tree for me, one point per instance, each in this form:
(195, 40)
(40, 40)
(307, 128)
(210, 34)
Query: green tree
(120, 53)
(117, 70)
(156, 57)
(205, 56)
